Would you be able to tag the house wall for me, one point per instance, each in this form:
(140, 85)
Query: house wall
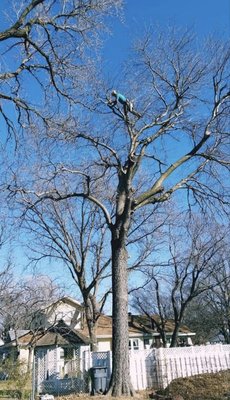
(70, 313)
(66, 312)
(139, 343)
(26, 359)
(144, 342)
(24, 355)
(135, 343)
(104, 344)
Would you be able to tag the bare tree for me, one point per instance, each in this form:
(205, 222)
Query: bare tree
(6, 290)
(149, 301)
(76, 236)
(178, 141)
(44, 60)
(27, 297)
(184, 277)
(217, 300)
(202, 320)
(6, 270)
(209, 315)
(21, 305)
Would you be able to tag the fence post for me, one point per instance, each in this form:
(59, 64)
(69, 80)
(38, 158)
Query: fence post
(160, 368)
(109, 368)
(109, 363)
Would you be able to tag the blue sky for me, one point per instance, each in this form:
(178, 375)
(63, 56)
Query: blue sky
(204, 16)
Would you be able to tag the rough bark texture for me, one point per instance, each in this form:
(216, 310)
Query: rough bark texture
(175, 335)
(90, 311)
(120, 380)
(120, 384)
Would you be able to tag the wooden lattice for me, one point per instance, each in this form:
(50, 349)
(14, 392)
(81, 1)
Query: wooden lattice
(58, 371)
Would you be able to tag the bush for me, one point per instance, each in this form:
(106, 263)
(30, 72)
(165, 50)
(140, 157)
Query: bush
(201, 387)
(15, 381)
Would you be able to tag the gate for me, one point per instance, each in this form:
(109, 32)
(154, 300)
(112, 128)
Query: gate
(59, 371)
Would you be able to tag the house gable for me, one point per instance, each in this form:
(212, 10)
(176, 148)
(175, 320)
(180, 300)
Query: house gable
(65, 309)
(62, 335)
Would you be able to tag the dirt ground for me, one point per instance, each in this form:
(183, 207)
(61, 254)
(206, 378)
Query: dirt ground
(200, 387)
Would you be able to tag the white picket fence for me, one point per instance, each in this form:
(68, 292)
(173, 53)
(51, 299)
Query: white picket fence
(189, 361)
(158, 367)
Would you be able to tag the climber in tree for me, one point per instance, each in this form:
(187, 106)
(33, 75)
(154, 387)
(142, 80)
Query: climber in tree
(127, 104)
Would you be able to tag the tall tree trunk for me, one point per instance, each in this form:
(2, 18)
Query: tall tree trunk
(120, 384)
(163, 336)
(175, 335)
(91, 322)
(93, 337)
(178, 317)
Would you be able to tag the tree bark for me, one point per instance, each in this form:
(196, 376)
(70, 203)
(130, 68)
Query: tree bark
(175, 334)
(120, 384)
(91, 323)
(93, 337)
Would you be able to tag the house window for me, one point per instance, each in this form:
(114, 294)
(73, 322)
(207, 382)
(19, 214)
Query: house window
(146, 343)
(67, 353)
(62, 354)
(59, 316)
(133, 344)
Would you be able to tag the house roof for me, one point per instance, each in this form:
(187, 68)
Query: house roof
(60, 334)
(21, 340)
(146, 324)
(67, 300)
(138, 325)
(13, 334)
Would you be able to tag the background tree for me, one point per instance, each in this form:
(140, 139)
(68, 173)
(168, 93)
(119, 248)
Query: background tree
(6, 270)
(209, 317)
(183, 98)
(184, 277)
(201, 320)
(6, 290)
(29, 296)
(75, 235)
(21, 304)
(44, 58)
(218, 298)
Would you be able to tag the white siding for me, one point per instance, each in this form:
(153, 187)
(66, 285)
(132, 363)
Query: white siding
(104, 345)
(69, 314)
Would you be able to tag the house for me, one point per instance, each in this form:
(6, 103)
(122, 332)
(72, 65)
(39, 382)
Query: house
(55, 355)
(143, 333)
(61, 319)
(59, 338)
(20, 343)
(149, 335)
(66, 309)
(53, 346)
